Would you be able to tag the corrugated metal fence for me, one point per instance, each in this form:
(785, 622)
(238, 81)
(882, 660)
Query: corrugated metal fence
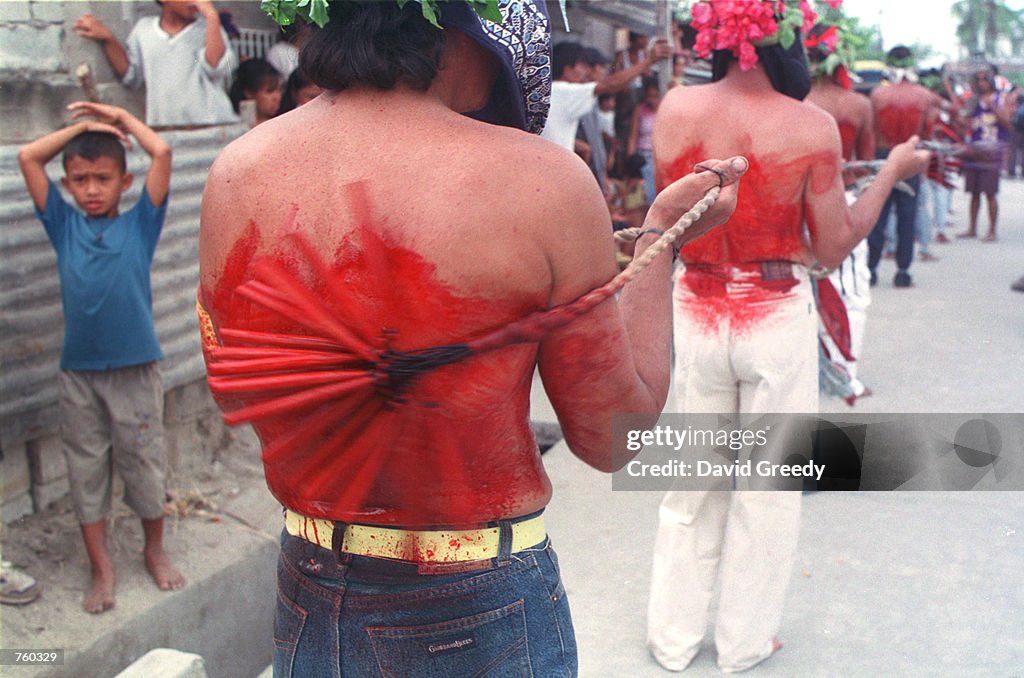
(31, 325)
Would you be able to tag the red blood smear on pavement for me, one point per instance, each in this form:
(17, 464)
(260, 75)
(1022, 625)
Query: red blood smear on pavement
(896, 124)
(457, 450)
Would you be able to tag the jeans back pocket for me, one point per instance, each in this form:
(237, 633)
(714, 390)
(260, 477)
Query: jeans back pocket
(491, 644)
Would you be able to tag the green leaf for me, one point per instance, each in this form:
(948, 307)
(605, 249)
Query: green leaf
(787, 36)
(794, 18)
(488, 9)
(319, 12)
(284, 12)
(430, 11)
(281, 11)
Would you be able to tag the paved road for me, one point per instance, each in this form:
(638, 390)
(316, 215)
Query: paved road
(895, 583)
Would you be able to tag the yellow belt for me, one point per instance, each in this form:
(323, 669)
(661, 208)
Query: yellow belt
(420, 546)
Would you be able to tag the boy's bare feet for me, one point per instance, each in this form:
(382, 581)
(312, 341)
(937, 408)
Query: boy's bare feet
(100, 597)
(165, 575)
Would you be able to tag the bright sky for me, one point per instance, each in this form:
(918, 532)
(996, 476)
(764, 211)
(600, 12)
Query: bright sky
(913, 21)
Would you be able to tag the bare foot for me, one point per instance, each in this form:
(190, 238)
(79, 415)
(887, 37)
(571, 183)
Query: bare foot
(100, 597)
(991, 237)
(165, 575)
(967, 234)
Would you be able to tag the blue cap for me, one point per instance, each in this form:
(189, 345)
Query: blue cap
(522, 45)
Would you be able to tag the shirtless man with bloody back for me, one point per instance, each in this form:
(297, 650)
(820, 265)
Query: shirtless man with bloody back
(831, 91)
(902, 109)
(390, 222)
(746, 328)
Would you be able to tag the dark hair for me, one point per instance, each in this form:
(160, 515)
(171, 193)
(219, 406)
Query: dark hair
(565, 55)
(252, 75)
(898, 53)
(373, 43)
(634, 36)
(817, 54)
(634, 166)
(94, 145)
(687, 36)
(296, 81)
(289, 32)
(786, 67)
(595, 57)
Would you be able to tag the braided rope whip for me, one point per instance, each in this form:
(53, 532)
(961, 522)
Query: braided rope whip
(280, 373)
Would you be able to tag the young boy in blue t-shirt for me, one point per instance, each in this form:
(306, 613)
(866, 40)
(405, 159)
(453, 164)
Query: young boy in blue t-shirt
(111, 397)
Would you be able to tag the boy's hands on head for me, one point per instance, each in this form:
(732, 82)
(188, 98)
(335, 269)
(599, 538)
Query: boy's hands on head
(111, 115)
(110, 119)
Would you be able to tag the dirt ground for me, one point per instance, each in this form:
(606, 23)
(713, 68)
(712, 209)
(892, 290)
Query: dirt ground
(48, 545)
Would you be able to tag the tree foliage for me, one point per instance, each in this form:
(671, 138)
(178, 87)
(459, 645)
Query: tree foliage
(989, 26)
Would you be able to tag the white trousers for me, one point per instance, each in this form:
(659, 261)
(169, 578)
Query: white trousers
(745, 541)
(853, 281)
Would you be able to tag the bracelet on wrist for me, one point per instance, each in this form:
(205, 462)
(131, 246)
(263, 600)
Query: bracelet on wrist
(659, 233)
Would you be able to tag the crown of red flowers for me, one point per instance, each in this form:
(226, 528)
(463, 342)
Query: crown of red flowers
(740, 26)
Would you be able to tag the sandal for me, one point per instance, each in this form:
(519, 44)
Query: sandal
(16, 587)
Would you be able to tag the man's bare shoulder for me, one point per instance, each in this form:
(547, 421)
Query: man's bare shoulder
(688, 101)
(245, 159)
(857, 99)
(881, 94)
(811, 123)
(540, 175)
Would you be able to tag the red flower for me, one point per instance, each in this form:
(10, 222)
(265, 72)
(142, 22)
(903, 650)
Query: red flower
(739, 25)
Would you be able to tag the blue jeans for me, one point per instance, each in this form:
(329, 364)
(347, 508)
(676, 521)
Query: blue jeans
(650, 192)
(363, 616)
(906, 212)
(924, 222)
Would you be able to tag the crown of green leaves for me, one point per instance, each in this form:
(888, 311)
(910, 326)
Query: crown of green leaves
(286, 12)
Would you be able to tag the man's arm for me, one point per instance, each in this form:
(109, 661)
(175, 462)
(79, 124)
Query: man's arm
(620, 79)
(834, 229)
(616, 357)
(158, 178)
(88, 26)
(215, 47)
(32, 158)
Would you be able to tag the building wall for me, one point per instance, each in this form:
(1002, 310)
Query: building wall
(38, 54)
